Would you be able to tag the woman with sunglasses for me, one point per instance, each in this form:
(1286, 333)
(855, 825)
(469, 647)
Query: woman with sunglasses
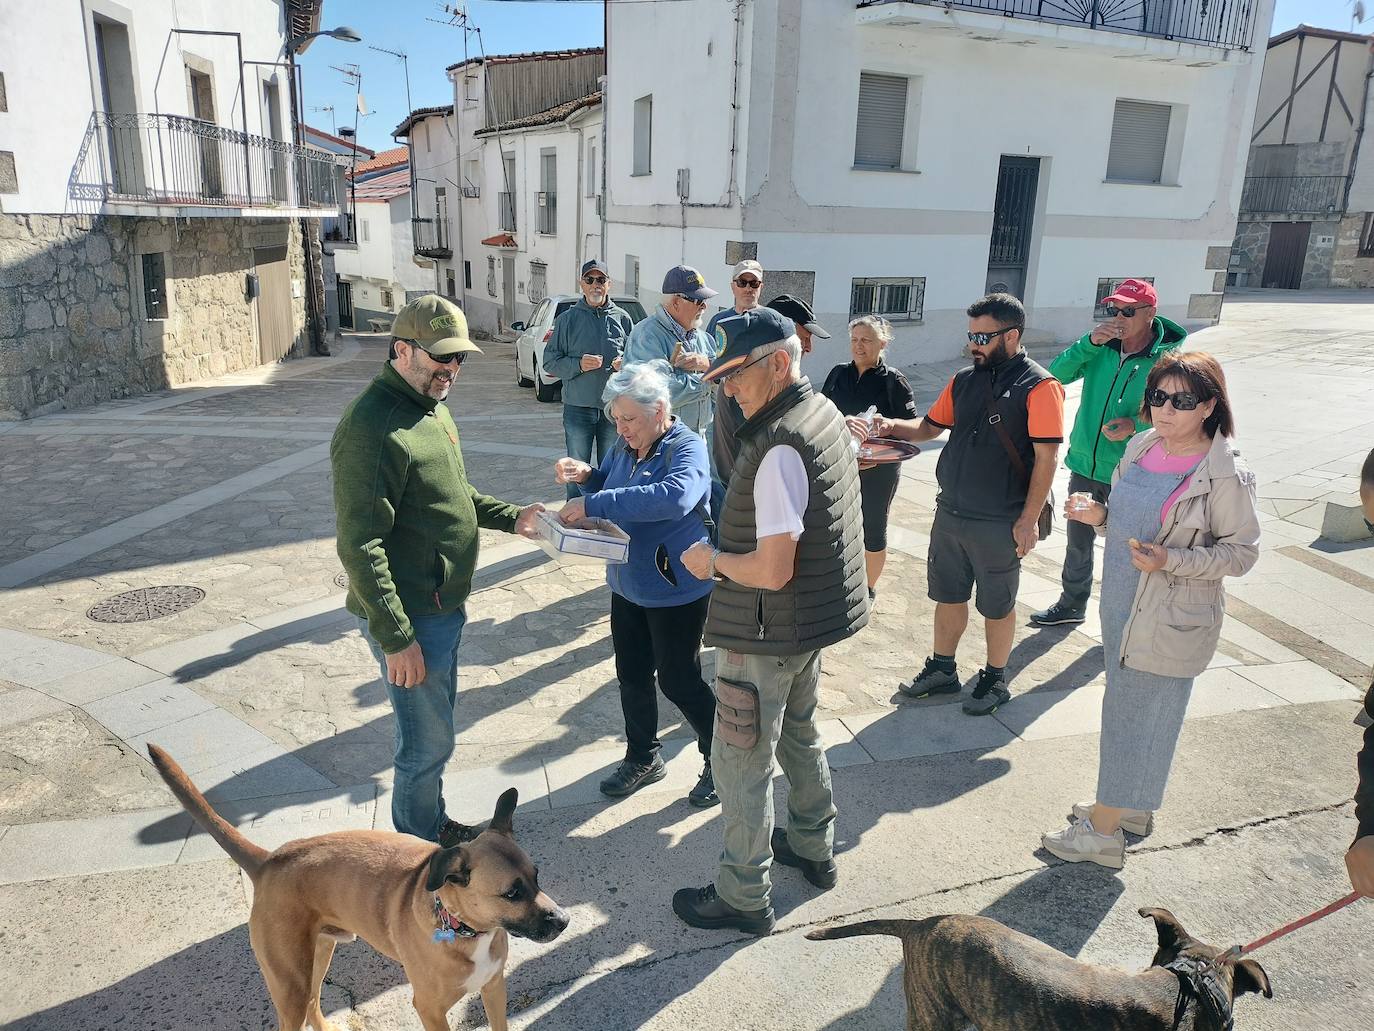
(1180, 517)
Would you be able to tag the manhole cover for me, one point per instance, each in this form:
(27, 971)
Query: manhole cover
(145, 603)
(342, 580)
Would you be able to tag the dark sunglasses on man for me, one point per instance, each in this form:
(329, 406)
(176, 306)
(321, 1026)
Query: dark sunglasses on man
(983, 339)
(594, 280)
(456, 358)
(1126, 313)
(692, 300)
(1183, 401)
(748, 283)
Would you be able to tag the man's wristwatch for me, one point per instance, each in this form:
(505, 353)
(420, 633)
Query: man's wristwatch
(711, 568)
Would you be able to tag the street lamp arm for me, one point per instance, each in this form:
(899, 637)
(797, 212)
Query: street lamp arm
(342, 32)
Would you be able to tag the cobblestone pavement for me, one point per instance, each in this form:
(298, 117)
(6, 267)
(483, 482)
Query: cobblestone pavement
(266, 691)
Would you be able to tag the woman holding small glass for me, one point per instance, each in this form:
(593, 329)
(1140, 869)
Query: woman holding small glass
(1180, 516)
(861, 389)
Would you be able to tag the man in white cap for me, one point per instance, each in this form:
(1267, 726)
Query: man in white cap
(407, 537)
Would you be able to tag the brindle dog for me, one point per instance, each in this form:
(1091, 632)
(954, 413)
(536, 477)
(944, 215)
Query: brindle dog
(442, 913)
(962, 970)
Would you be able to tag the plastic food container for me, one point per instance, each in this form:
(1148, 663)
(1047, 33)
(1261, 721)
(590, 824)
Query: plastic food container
(589, 540)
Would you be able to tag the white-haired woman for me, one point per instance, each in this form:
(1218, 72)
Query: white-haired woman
(868, 382)
(655, 485)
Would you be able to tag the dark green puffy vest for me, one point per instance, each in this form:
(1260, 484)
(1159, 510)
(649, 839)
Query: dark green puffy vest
(827, 598)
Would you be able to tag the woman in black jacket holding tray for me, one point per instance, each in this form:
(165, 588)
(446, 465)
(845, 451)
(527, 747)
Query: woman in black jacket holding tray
(863, 385)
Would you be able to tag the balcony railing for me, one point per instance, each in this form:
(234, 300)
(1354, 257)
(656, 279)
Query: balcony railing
(430, 238)
(1217, 23)
(505, 202)
(471, 191)
(172, 160)
(547, 203)
(1293, 195)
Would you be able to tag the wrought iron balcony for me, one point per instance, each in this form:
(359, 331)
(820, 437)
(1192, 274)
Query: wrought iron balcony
(505, 204)
(430, 238)
(1293, 195)
(171, 161)
(471, 191)
(547, 203)
(1216, 23)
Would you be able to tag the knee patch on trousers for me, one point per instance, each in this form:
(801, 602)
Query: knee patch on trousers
(737, 713)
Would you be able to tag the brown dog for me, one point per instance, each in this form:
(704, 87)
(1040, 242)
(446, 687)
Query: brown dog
(443, 914)
(969, 969)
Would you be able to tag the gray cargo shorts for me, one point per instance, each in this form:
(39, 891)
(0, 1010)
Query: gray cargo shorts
(964, 552)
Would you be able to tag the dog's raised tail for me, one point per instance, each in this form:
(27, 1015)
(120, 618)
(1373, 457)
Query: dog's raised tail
(897, 928)
(240, 849)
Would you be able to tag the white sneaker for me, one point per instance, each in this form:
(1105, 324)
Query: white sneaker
(1079, 843)
(1138, 821)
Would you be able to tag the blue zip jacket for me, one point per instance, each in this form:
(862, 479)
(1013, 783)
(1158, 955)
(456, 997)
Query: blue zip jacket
(581, 330)
(657, 501)
(657, 337)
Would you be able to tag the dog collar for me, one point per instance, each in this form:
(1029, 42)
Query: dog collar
(1197, 979)
(450, 927)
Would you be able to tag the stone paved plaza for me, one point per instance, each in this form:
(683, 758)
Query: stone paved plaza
(121, 916)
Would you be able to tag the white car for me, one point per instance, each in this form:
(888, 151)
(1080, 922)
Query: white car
(529, 348)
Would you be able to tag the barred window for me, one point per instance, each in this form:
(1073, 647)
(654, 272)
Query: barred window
(1107, 287)
(154, 286)
(539, 273)
(1367, 237)
(899, 299)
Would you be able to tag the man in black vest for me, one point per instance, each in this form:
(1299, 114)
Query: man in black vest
(790, 581)
(1005, 418)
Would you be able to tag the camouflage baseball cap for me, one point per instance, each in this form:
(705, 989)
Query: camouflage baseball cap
(435, 324)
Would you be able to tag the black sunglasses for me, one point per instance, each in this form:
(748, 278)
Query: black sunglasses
(750, 284)
(1125, 313)
(449, 359)
(1183, 401)
(983, 339)
(594, 280)
(692, 300)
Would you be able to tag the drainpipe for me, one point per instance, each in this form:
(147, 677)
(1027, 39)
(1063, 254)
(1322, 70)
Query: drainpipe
(462, 280)
(579, 203)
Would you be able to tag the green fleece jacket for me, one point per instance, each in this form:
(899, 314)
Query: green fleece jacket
(407, 516)
(1112, 389)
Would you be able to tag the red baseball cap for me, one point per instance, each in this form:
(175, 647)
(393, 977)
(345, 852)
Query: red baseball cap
(1134, 291)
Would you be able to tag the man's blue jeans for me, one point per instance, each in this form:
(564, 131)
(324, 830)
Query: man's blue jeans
(424, 724)
(583, 427)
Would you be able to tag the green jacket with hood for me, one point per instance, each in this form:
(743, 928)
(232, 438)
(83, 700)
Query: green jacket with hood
(1113, 388)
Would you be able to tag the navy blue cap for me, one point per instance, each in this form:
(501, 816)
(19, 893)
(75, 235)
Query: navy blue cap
(687, 281)
(595, 265)
(740, 334)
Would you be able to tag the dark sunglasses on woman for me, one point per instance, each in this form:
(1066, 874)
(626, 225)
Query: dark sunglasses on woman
(1183, 401)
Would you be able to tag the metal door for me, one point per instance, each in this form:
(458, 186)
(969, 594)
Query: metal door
(507, 291)
(345, 293)
(275, 335)
(1013, 212)
(1287, 254)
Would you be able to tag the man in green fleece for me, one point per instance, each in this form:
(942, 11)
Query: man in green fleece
(407, 536)
(1112, 361)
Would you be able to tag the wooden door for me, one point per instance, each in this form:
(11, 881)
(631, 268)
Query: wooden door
(1287, 255)
(275, 335)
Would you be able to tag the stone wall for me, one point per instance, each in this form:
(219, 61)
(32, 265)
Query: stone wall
(73, 330)
(1347, 268)
(1249, 251)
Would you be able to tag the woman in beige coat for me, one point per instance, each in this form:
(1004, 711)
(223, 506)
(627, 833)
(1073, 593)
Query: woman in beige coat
(1180, 517)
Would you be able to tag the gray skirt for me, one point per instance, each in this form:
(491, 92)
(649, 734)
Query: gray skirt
(1142, 717)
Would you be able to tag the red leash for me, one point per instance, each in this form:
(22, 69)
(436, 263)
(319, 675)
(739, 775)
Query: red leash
(1235, 952)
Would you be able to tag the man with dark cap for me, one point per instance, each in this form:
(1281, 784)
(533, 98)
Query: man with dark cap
(407, 537)
(674, 334)
(790, 581)
(587, 340)
(728, 416)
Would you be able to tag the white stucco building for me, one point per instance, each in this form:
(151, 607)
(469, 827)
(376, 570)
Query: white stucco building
(151, 195)
(906, 157)
(507, 181)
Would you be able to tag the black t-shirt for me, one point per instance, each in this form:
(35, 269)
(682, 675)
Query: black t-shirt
(881, 386)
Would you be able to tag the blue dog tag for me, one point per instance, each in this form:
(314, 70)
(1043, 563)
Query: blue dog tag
(444, 934)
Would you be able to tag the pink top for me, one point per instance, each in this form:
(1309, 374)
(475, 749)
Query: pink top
(1157, 460)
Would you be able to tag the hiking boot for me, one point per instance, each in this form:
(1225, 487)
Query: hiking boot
(453, 833)
(1058, 614)
(702, 907)
(703, 796)
(820, 872)
(629, 777)
(989, 693)
(932, 680)
(1139, 822)
(1079, 843)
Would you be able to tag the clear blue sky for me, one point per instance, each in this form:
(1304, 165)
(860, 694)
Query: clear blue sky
(512, 26)
(507, 27)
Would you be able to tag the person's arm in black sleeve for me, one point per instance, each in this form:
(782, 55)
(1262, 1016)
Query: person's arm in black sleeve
(1364, 793)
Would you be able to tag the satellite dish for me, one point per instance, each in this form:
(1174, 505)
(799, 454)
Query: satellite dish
(1357, 14)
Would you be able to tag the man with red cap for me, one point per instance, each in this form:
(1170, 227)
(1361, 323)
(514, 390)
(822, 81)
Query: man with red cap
(1112, 361)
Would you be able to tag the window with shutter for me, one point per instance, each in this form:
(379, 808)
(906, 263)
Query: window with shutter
(881, 121)
(1140, 133)
(644, 132)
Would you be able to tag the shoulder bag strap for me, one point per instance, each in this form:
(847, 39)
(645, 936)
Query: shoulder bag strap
(995, 420)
